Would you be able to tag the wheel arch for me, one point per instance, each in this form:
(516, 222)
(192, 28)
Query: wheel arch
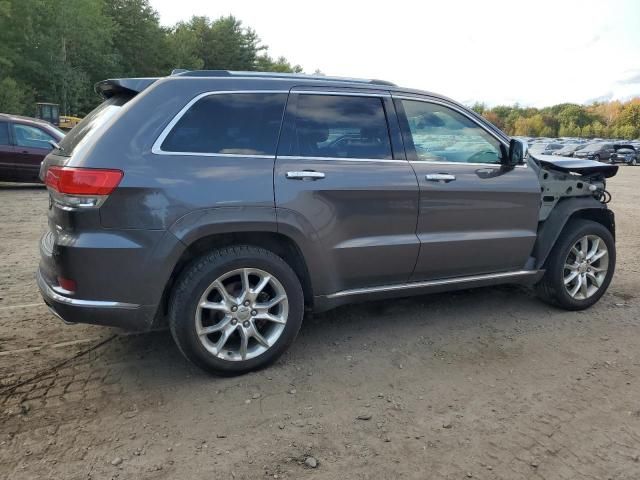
(275, 242)
(586, 208)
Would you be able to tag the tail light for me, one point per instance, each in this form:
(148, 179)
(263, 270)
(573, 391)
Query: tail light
(73, 187)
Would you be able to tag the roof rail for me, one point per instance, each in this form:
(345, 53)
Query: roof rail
(301, 76)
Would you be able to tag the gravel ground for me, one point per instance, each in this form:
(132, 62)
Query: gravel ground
(486, 383)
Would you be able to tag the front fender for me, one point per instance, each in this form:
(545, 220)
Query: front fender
(573, 207)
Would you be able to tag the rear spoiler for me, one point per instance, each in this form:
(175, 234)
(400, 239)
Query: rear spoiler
(109, 88)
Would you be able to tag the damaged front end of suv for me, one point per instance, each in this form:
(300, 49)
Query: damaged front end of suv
(562, 178)
(571, 191)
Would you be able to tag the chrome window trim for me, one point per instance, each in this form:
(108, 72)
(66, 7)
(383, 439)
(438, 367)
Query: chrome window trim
(341, 93)
(156, 149)
(430, 283)
(302, 157)
(438, 162)
(462, 112)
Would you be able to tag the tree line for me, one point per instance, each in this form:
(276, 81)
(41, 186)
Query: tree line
(55, 50)
(614, 119)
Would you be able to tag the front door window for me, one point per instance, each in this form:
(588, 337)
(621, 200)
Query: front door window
(440, 134)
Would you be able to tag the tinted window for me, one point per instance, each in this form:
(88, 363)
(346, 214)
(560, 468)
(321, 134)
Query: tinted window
(83, 132)
(341, 127)
(4, 133)
(441, 134)
(235, 123)
(31, 137)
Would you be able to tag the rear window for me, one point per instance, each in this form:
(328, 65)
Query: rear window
(229, 123)
(82, 132)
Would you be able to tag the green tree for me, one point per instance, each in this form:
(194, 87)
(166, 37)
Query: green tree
(57, 48)
(140, 43)
(629, 115)
(597, 129)
(280, 64)
(574, 114)
(222, 44)
(479, 107)
(13, 98)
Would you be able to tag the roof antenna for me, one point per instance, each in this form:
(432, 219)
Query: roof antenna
(178, 71)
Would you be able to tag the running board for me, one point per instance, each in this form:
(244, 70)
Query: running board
(436, 283)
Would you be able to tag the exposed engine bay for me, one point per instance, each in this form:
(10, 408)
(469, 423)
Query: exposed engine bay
(561, 178)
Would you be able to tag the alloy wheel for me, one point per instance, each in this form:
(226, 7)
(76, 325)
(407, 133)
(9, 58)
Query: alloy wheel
(585, 267)
(241, 314)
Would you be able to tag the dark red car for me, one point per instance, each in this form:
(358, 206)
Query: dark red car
(24, 142)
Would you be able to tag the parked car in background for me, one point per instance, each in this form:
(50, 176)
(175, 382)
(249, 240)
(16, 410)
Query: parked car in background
(537, 147)
(552, 148)
(569, 149)
(624, 153)
(24, 142)
(600, 152)
(546, 148)
(228, 203)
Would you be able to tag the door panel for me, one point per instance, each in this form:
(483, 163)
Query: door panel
(475, 215)
(363, 215)
(484, 221)
(7, 154)
(31, 146)
(7, 161)
(27, 162)
(362, 211)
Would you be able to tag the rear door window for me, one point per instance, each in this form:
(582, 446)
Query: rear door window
(340, 126)
(229, 124)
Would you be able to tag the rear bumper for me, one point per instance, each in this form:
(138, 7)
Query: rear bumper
(97, 312)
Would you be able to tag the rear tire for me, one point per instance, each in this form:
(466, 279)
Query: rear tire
(220, 314)
(572, 262)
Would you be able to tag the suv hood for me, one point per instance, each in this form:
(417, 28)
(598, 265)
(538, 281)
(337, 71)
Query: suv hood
(579, 166)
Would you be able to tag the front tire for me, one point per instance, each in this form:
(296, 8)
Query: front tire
(580, 266)
(236, 309)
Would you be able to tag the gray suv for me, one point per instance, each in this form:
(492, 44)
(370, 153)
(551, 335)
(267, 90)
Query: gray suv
(227, 204)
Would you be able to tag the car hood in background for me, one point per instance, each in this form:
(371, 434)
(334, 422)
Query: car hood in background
(582, 167)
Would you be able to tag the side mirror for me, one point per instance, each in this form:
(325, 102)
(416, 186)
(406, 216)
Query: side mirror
(518, 151)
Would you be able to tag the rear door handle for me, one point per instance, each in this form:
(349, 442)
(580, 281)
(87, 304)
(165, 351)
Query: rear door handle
(304, 175)
(440, 177)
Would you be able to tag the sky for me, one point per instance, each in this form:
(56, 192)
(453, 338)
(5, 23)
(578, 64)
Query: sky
(535, 53)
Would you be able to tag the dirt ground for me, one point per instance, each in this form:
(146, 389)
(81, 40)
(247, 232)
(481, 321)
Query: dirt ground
(486, 384)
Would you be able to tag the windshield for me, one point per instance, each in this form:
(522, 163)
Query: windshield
(82, 132)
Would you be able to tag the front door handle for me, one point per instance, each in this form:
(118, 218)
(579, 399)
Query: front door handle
(440, 177)
(305, 175)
